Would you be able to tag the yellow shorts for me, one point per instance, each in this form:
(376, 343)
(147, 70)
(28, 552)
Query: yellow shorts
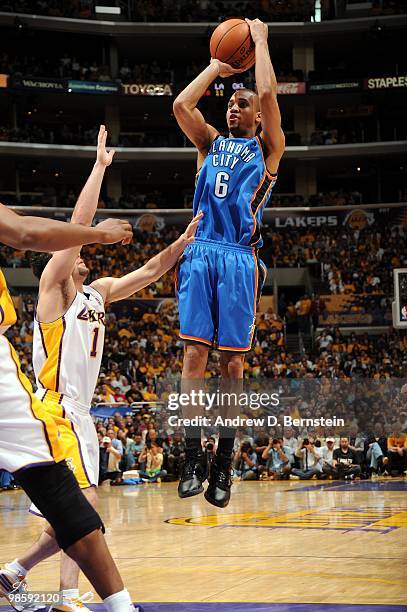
(77, 436)
(28, 434)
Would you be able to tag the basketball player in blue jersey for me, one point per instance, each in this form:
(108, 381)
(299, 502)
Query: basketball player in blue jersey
(219, 279)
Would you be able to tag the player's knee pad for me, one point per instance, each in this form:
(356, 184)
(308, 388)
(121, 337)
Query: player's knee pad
(56, 493)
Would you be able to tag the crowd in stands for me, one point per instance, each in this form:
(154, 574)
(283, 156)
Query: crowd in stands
(80, 9)
(142, 345)
(89, 69)
(343, 374)
(65, 196)
(182, 10)
(65, 67)
(349, 261)
(59, 133)
(353, 260)
(146, 449)
(142, 341)
(78, 134)
(71, 67)
(341, 136)
(328, 198)
(202, 10)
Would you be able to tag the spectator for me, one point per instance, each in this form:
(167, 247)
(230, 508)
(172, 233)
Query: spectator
(397, 451)
(303, 308)
(106, 396)
(310, 460)
(245, 463)
(111, 452)
(277, 456)
(345, 461)
(357, 444)
(327, 458)
(134, 448)
(290, 442)
(260, 445)
(176, 455)
(134, 394)
(153, 458)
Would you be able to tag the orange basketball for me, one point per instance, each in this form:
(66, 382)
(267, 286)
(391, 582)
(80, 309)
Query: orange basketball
(232, 43)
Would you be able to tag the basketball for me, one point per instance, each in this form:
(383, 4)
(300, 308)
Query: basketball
(232, 43)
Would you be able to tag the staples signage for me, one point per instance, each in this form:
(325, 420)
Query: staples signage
(388, 82)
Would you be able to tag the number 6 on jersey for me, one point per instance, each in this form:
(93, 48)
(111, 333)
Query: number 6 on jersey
(221, 184)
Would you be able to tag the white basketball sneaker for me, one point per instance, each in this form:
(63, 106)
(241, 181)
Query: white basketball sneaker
(74, 604)
(13, 585)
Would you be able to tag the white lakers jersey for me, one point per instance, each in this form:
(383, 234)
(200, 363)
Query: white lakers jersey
(7, 312)
(67, 352)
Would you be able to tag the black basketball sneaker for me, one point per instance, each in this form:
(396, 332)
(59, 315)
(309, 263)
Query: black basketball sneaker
(220, 481)
(194, 473)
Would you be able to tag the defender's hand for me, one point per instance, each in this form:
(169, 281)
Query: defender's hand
(115, 230)
(189, 235)
(258, 30)
(103, 157)
(226, 70)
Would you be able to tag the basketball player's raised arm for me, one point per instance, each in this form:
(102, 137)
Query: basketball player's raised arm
(114, 289)
(40, 234)
(86, 206)
(188, 116)
(59, 268)
(266, 83)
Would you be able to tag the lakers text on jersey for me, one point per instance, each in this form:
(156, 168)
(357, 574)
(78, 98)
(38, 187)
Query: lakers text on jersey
(67, 352)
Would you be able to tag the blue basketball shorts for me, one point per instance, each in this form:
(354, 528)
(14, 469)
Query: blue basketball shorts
(218, 287)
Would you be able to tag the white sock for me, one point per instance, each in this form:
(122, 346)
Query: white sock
(14, 566)
(119, 602)
(69, 594)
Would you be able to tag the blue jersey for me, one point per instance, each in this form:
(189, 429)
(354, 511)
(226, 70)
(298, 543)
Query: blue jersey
(232, 188)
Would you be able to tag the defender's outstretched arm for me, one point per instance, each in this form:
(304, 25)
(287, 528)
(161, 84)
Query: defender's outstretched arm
(47, 235)
(114, 289)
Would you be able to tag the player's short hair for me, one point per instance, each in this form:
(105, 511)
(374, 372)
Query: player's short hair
(38, 261)
(252, 92)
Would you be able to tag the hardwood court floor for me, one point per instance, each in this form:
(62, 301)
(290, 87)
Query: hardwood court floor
(304, 542)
